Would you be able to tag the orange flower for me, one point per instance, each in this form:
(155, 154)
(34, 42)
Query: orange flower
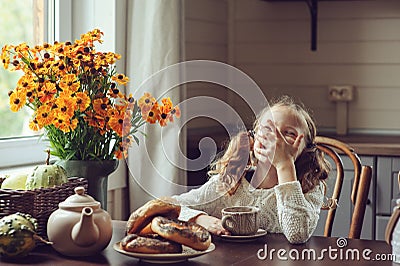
(121, 152)
(44, 116)
(34, 125)
(164, 114)
(120, 79)
(167, 103)
(96, 121)
(146, 102)
(175, 112)
(114, 92)
(153, 115)
(82, 100)
(62, 123)
(27, 84)
(17, 100)
(5, 57)
(100, 105)
(47, 91)
(124, 147)
(69, 82)
(121, 124)
(65, 106)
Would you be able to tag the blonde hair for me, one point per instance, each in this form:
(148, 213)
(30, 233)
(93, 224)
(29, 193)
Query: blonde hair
(311, 165)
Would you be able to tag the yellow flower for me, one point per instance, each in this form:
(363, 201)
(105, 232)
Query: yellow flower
(69, 82)
(17, 100)
(47, 91)
(27, 84)
(175, 112)
(146, 102)
(44, 115)
(34, 125)
(167, 103)
(114, 92)
(59, 122)
(5, 57)
(164, 114)
(120, 79)
(120, 123)
(100, 105)
(66, 106)
(83, 101)
(153, 115)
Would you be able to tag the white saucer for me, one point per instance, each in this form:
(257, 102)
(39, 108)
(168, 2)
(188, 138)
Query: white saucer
(260, 233)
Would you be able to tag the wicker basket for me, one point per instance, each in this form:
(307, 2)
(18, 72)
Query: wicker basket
(39, 203)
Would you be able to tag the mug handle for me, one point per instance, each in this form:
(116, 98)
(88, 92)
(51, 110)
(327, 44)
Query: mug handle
(391, 224)
(225, 220)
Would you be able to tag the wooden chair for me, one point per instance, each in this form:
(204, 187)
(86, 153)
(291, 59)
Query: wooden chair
(361, 184)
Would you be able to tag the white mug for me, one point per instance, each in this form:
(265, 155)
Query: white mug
(241, 220)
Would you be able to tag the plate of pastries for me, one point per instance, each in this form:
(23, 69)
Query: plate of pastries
(154, 234)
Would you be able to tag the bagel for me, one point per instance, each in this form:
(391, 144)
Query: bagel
(149, 245)
(146, 230)
(187, 233)
(143, 215)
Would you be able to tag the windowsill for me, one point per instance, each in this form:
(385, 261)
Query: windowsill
(22, 152)
(17, 169)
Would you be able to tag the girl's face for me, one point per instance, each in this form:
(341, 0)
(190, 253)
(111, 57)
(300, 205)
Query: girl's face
(288, 122)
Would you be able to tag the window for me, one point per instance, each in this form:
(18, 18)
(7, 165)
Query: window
(25, 21)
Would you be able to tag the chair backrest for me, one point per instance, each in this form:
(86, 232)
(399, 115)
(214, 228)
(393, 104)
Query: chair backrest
(361, 184)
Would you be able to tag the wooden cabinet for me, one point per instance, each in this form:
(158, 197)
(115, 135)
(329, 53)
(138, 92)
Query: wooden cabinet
(387, 191)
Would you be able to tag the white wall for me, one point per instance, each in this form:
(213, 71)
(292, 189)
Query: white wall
(358, 44)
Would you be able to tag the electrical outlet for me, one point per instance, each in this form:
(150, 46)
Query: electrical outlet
(341, 93)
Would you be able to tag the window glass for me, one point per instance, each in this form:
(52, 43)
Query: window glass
(21, 21)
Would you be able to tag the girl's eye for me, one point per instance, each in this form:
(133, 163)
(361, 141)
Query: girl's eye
(290, 133)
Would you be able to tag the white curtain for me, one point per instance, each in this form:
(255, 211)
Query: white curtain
(148, 35)
(154, 42)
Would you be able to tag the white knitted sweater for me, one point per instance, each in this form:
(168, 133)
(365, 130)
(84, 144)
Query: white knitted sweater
(283, 208)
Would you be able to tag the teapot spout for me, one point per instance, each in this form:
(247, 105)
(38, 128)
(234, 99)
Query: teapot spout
(85, 232)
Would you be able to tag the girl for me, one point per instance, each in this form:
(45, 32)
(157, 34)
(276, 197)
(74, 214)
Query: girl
(276, 167)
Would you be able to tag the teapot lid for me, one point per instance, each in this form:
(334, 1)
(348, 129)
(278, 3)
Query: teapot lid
(79, 199)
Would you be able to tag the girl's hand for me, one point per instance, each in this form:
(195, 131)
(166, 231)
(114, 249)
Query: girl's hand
(271, 146)
(212, 224)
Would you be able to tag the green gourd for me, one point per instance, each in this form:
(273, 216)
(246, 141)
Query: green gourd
(18, 234)
(47, 175)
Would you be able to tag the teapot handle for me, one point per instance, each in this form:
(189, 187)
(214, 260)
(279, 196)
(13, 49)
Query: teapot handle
(391, 224)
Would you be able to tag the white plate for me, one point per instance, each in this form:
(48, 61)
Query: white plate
(186, 254)
(260, 233)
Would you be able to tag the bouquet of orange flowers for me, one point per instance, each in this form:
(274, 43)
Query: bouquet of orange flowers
(74, 93)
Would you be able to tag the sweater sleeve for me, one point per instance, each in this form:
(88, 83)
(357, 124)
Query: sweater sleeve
(202, 200)
(298, 213)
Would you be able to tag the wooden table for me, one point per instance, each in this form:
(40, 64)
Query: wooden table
(272, 249)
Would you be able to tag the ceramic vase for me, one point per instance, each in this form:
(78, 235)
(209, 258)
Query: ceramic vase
(95, 172)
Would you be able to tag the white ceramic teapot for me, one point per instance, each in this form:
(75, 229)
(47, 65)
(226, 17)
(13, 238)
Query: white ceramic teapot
(79, 227)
